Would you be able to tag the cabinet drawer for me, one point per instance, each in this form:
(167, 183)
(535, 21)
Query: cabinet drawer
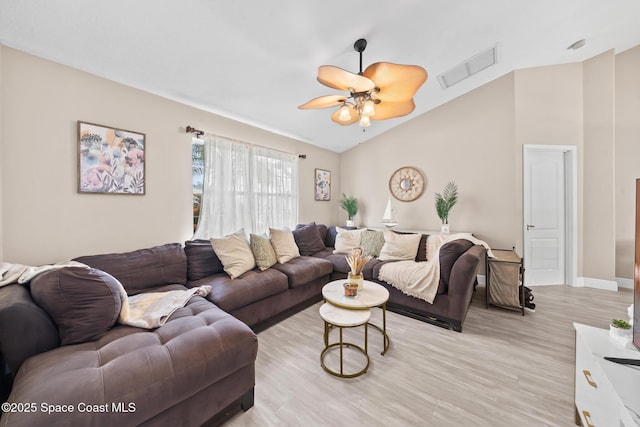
(594, 396)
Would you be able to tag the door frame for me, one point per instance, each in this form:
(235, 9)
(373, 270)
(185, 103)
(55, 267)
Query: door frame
(570, 205)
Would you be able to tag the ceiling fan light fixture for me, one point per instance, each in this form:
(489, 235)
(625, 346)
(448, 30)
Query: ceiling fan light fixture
(393, 85)
(345, 115)
(368, 109)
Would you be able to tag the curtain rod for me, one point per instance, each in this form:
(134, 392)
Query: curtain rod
(199, 133)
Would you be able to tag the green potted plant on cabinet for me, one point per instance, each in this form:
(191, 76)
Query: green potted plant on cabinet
(444, 202)
(350, 205)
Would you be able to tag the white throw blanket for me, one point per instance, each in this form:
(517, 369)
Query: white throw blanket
(19, 273)
(420, 279)
(152, 309)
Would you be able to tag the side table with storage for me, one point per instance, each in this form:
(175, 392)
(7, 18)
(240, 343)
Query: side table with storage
(505, 275)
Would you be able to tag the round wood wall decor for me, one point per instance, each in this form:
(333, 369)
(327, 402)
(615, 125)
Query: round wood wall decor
(406, 184)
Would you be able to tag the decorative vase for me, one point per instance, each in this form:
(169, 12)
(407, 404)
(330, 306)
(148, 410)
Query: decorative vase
(357, 279)
(350, 223)
(444, 229)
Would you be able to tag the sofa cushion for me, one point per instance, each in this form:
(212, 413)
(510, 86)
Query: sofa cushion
(25, 328)
(202, 261)
(284, 244)
(143, 269)
(83, 303)
(308, 239)
(252, 286)
(303, 270)
(198, 346)
(399, 247)
(449, 254)
(262, 250)
(234, 253)
(347, 240)
(372, 242)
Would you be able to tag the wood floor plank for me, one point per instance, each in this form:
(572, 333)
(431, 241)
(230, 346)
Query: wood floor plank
(503, 370)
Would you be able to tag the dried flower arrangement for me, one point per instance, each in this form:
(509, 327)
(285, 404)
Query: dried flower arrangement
(357, 260)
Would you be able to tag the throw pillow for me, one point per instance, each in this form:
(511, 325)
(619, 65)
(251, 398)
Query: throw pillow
(347, 240)
(84, 303)
(399, 247)
(372, 242)
(262, 251)
(201, 259)
(234, 253)
(284, 244)
(308, 239)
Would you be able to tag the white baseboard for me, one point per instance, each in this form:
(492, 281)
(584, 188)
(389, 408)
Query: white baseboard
(624, 283)
(589, 282)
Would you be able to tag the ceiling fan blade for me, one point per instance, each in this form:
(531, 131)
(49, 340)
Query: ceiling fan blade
(389, 109)
(354, 117)
(324, 102)
(337, 78)
(396, 82)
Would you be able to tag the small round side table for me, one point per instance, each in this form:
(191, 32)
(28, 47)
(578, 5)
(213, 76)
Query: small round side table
(342, 318)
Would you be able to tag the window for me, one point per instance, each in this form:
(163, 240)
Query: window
(245, 186)
(197, 177)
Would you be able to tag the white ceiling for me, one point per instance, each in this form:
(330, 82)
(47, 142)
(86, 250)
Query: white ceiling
(255, 61)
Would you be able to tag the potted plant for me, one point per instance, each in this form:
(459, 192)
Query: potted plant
(620, 330)
(349, 204)
(444, 203)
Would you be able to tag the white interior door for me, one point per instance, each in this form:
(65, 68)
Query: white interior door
(544, 217)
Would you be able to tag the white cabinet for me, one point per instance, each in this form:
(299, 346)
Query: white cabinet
(607, 394)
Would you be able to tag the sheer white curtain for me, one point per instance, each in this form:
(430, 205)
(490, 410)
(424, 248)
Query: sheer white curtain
(248, 187)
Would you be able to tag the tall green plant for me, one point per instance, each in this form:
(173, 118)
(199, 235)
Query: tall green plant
(445, 201)
(349, 204)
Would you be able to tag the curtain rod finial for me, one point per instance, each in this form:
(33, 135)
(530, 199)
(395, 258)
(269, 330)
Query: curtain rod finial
(191, 129)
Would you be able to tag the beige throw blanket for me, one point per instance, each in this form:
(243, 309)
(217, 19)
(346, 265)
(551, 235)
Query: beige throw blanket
(420, 279)
(152, 309)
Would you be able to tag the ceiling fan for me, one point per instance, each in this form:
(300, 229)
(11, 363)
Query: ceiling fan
(383, 91)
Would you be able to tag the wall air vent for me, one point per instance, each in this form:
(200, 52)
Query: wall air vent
(468, 68)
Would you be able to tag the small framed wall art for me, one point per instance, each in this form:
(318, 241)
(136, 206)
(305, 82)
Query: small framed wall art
(323, 184)
(110, 160)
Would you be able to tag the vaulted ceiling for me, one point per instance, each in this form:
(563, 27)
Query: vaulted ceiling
(255, 61)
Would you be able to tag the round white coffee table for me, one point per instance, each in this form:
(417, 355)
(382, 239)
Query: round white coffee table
(372, 295)
(342, 318)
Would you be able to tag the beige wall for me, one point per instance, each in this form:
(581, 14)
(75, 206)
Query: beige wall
(477, 141)
(44, 219)
(548, 112)
(627, 156)
(598, 225)
(461, 141)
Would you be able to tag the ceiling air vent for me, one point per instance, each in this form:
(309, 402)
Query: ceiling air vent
(468, 68)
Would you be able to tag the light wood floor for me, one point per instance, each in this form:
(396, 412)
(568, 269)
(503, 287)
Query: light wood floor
(502, 370)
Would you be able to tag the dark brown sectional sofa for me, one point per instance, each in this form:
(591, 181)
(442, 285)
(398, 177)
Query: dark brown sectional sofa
(200, 364)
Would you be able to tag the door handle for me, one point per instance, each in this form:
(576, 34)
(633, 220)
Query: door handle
(529, 227)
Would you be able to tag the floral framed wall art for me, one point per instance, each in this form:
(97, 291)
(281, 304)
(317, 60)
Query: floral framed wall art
(110, 160)
(323, 184)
